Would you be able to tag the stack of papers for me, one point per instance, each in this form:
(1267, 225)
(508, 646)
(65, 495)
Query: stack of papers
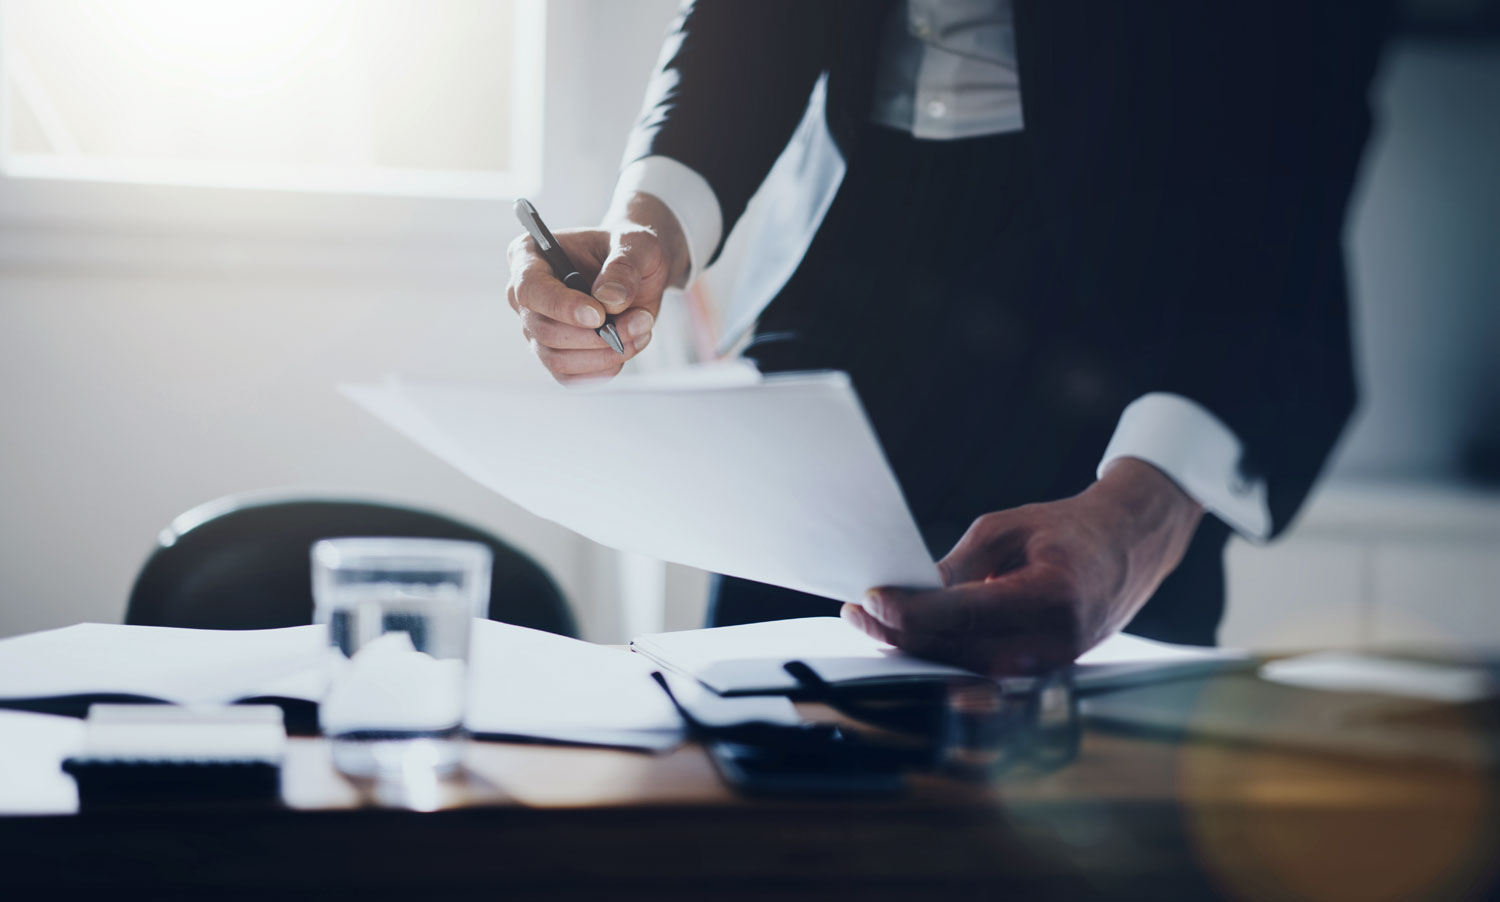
(526, 684)
(182, 666)
(750, 659)
(778, 479)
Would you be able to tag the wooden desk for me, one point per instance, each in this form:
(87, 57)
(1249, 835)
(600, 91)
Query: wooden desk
(1131, 818)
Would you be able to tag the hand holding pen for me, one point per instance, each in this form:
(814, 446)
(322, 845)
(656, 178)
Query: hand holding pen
(579, 333)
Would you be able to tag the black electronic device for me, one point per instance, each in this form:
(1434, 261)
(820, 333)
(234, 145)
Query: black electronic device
(159, 755)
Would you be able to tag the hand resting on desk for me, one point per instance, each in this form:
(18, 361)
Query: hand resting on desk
(1033, 587)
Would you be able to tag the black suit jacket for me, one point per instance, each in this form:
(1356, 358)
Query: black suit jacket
(1194, 161)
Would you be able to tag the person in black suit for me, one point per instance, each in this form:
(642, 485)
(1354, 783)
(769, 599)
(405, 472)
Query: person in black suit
(1067, 230)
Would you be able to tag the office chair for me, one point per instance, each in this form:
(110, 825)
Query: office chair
(243, 563)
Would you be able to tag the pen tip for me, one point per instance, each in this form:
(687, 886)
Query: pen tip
(612, 337)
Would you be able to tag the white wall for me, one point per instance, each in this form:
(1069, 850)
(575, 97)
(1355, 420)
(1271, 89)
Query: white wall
(1398, 547)
(1425, 242)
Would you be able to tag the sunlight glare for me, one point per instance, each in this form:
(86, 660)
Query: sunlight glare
(420, 97)
(232, 47)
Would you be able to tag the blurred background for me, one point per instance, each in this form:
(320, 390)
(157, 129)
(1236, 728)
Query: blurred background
(213, 213)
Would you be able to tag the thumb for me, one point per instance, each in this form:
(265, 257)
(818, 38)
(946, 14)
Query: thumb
(632, 256)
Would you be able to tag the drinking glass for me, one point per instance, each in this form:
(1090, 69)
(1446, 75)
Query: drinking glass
(399, 614)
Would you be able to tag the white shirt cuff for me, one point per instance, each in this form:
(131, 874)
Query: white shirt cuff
(1198, 452)
(684, 192)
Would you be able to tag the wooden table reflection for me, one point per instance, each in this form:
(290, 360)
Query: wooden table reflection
(1132, 817)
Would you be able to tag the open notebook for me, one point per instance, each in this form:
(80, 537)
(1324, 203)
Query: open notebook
(750, 659)
(527, 684)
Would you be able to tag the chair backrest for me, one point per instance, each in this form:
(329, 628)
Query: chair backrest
(244, 564)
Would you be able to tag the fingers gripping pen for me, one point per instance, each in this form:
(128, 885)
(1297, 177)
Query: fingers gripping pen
(562, 265)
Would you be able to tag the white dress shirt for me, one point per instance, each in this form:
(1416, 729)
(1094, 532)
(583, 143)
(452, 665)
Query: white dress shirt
(947, 71)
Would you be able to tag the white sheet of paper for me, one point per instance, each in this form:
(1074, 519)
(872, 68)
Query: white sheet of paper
(184, 733)
(750, 658)
(32, 749)
(185, 666)
(531, 684)
(777, 479)
(524, 682)
(1125, 660)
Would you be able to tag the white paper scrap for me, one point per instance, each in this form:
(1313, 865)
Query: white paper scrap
(390, 685)
(1339, 671)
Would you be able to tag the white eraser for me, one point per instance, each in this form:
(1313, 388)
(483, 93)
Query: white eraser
(196, 733)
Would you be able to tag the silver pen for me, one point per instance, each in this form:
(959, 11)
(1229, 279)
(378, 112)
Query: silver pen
(562, 266)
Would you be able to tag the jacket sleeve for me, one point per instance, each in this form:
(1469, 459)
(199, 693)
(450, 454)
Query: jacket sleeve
(729, 90)
(1208, 194)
